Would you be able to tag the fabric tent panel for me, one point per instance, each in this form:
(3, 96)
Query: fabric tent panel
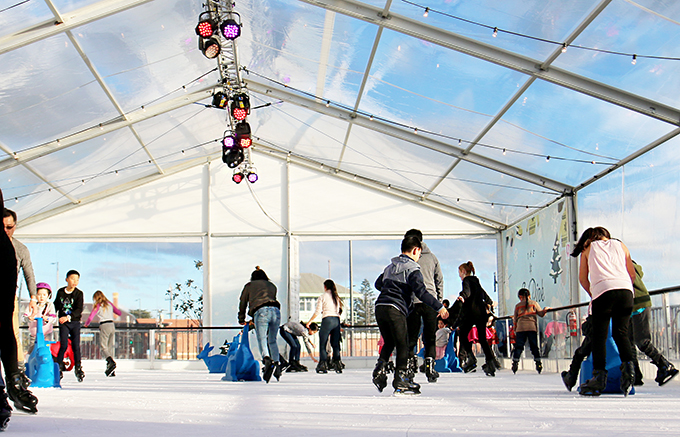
(22, 16)
(546, 19)
(642, 28)
(321, 204)
(543, 122)
(26, 194)
(167, 206)
(391, 160)
(71, 5)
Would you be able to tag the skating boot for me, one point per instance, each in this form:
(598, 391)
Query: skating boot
(110, 367)
(62, 369)
(78, 370)
(337, 365)
(423, 367)
(403, 384)
(489, 369)
(380, 375)
(627, 376)
(301, 367)
(322, 367)
(432, 375)
(515, 366)
(5, 410)
(23, 399)
(285, 365)
(470, 366)
(293, 366)
(638, 375)
(412, 365)
(666, 371)
(389, 368)
(25, 380)
(539, 366)
(277, 370)
(267, 369)
(595, 385)
(569, 379)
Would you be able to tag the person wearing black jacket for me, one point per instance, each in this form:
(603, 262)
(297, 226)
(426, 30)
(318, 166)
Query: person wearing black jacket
(474, 313)
(398, 284)
(69, 306)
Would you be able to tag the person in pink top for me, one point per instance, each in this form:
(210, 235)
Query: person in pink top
(329, 307)
(607, 273)
(107, 330)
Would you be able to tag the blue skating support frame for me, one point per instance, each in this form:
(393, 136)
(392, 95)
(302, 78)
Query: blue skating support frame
(612, 366)
(41, 368)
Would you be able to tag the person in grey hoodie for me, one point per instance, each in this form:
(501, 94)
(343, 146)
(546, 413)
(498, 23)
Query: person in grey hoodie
(398, 284)
(434, 283)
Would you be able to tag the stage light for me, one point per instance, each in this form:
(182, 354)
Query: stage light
(220, 100)
(230, 29)
(233, 157)
(206, 27)
(242, 133)
(251, 175)
(229, 141)
(210, 47)
(240, 106)
(237, 177)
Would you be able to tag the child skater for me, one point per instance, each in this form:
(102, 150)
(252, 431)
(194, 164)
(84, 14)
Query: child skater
(441, 338)
(107, 330)
(44, 309)
(526, 328)
(69, 306)
(290, 333)
(398, 283)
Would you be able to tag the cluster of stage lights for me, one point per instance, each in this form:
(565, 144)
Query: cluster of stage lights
(209, 33)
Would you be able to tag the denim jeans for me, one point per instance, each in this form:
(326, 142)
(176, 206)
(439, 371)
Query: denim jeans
(294, 344)
(330, 326)
(267, 321)
(520, 339)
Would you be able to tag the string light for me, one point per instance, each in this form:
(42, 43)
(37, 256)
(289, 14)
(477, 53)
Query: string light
(495, 32)
(328, 103)
(101, 126)
(564, 47)
(427, 12)
(634, 61)
(504, 152)
(547, 158)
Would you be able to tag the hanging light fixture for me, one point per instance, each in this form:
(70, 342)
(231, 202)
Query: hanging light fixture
(240, 106)
(206, 26)
(233, 157)
(229, 141)
(220, 100)
(242, 133)
(238, 176)
(210, 47)
(251, 175)
(230, 29)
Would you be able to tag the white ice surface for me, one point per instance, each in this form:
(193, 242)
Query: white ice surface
(168, 403)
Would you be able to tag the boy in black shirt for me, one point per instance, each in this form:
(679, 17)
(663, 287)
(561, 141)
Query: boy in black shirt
(69, 306)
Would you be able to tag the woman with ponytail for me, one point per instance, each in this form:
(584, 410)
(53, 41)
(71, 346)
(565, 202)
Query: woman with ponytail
(329, 306)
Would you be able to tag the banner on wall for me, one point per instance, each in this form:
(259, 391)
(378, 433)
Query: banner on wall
(536, 253)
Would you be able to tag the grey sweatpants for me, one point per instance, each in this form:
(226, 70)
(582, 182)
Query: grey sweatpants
(107, 339)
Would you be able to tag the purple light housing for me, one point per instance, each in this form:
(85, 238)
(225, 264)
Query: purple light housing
(252, 177)
(228, 142)
(230, 29)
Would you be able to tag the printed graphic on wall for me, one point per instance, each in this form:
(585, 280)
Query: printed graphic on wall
(536, 253)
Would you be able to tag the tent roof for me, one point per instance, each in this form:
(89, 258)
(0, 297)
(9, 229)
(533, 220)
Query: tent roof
(101, 97)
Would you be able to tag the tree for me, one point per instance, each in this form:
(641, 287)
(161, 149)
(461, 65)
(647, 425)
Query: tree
(364, 305)
(141, 314)
(555, 268)
(187, 298)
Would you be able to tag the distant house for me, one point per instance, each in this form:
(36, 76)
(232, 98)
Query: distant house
(311, 287)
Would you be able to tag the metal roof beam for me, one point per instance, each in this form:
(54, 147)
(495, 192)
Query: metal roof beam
(68, 21)
(422, 140)
(504, 58)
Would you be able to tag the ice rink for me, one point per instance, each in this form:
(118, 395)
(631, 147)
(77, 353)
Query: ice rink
(168, 403)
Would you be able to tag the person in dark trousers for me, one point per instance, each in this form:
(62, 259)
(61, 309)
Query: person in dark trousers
(640, 336)
(434, 283)
(69, 306)
(398, 283)
(22, 398)
(290, 332)
(526, 328)
(569, 377)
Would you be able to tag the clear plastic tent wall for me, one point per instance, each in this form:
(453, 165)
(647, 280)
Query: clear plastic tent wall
(461, 118)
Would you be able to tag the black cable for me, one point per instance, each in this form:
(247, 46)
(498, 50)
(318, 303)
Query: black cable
(14, 6)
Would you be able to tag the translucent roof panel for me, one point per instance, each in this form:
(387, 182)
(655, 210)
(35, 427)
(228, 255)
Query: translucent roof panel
(26, 194)
(71, 5)
(17, 16)
(546, 19)
(646, 27)
(571, 128)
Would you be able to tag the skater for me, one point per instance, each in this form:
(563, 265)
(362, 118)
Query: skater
(434, 283)
(44, 309)
(398, 283)
(259, 296)
(443, 335)
(22, 398)
(69, 306)
(107, 330)
(329, 306)
(526, 328)
(607, 273)
(475, 312)
(640, 336)
(290, 333)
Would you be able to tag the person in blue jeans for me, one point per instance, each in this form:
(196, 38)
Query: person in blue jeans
(329, 306)
(259, 296)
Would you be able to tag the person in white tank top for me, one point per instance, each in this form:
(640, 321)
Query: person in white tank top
(607, 272)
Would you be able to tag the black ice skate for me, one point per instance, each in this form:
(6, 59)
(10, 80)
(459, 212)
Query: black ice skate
(539, 366)
(627, 377)
(23, 399)
(404, 385)
(595, 385)
(267, 369)
(569, 379)
(5, 410)
(432, 375)
(412, 365)
(470, 366)
(277, 370)
(515, 366)
(285, 365)
(489, 369)
(78, 370)
(337, 365)
(380, 375)
(110, 367)
(666, 371)
(322, 367)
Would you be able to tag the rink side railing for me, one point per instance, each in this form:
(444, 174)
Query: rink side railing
(556, 339)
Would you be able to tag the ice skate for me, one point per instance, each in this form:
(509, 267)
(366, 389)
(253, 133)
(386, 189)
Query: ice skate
(569, 379)
(515, 366)
(110, 366)
(412, 365)
(267, 369)
(277, 370)
(337, 365)
(432, 375)
(322, 367)
(5, 410)
(539, 366)
(666, 371)
(380, 375)
(78, 370)
(389, 367)
(470, 366)
(595, 385)
(404, 385)
(627, 377)
(489, 369)
(285, 365)
(23, 399)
